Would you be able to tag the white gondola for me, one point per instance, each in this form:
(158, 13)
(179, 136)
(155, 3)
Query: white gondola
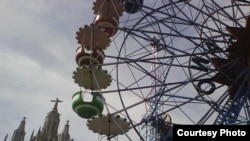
(110, 125)
(93, 78)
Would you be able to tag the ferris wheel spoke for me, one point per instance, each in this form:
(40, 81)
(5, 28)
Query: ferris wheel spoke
(167, 59)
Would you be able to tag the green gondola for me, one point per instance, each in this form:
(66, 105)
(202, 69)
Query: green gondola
(88, 109)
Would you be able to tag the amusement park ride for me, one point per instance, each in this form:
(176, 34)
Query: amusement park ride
(151, 64)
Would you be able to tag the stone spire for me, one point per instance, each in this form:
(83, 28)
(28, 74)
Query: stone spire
(65, 136)
(5, 138)
(51, 123)
(32, 135)
(19, 133)
(50, 126)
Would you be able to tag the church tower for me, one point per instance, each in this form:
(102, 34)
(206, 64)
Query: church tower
(64, 136)
(49, 130)
(50, 126)
(19, 133)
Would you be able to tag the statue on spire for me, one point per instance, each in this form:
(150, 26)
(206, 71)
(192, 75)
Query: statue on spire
(56, 103)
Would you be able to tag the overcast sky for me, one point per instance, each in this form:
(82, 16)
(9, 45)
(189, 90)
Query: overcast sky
(37, 46)
(37, 58)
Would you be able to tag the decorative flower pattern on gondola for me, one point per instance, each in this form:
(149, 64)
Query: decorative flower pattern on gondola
(89, 57)
(92, 78)
(108, 124)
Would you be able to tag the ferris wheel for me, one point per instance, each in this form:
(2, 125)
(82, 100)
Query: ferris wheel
(148, 65)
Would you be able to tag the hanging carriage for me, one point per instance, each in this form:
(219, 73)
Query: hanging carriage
(87, 109)
(132, 6)
(107, 15)
(94, 57)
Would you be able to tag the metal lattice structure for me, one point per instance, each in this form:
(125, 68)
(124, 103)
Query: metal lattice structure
(198, 72)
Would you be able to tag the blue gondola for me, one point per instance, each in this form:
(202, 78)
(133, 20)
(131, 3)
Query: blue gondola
(132, 6)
